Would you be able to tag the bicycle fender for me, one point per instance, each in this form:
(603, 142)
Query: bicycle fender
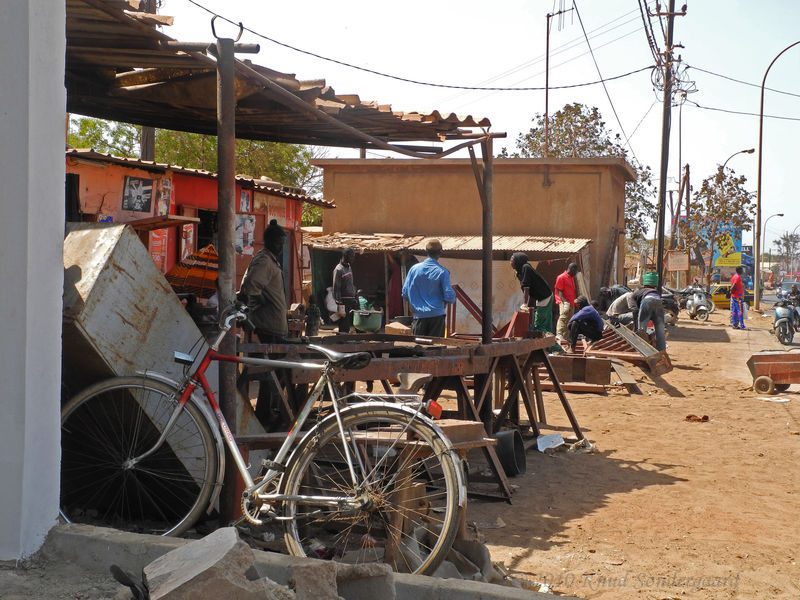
(462, 486)
(197, 399)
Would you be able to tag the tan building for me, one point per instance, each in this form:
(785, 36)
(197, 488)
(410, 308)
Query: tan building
(570, 198)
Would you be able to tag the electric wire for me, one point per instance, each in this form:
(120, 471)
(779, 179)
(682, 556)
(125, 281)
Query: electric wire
(608, 95)
(742, 82)
(740, 112)
(405, 79)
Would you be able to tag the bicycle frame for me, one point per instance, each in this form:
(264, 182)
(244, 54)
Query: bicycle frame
(197, 378)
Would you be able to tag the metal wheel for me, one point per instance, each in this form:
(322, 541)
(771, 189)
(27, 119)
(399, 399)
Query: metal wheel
(116, 420)
(407, 490)
(702, 315)
(764, 385)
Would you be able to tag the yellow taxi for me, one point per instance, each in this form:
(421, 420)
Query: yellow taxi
(721, 295)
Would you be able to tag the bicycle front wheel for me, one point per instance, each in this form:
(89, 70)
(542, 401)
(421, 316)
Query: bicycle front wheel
(404, 505)
(119, 419)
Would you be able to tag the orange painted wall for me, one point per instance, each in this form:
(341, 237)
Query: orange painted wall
(580, 198)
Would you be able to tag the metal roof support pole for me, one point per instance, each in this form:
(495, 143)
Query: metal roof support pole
(486, 280)
(226, 190)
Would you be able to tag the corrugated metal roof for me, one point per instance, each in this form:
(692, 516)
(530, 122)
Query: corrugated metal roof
(261, 184)
(118, 66)
(395, 242)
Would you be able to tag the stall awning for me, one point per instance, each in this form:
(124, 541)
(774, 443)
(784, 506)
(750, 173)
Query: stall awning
(456, 246)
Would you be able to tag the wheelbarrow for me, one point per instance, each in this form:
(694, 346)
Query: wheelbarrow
(774, 370)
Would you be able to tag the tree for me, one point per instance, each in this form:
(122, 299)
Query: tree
(577, 131)
(788, 250)
(288, 164)
(719, 209)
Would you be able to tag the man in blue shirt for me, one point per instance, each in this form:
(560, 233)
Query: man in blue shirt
(427, 288)
(586, 321)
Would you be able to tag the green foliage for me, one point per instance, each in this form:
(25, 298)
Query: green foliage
(108, 137)
(577, 131)
(288, 164)
(722, 201)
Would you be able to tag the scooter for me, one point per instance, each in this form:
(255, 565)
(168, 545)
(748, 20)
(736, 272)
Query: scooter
(697, 306)
(783, 325)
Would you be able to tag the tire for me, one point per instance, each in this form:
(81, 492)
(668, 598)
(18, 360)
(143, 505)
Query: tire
(121, 418)
(781, 387)
(711, 306)
(702, 315)
(671, 316)
(785, 333)
(424, 476)
(764, 385)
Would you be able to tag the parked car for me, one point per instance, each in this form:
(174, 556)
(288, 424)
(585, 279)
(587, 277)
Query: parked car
(721, 295)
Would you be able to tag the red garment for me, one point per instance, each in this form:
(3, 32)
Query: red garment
(737, 289)
(566, 283)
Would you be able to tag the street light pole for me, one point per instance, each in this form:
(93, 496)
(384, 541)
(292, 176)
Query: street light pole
(755, 283)
(757, 274)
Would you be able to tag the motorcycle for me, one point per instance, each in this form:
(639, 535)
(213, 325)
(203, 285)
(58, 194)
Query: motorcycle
(697, 306)
(683, 295)
(784, 326)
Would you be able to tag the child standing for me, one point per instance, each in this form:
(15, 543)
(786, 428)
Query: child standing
(312, 318)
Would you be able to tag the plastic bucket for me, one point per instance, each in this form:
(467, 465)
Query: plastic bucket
(650, 278)
(367, 320)
(511, 452)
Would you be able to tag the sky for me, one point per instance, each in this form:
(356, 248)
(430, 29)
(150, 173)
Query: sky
(502, 44)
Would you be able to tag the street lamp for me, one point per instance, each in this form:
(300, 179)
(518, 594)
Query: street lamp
(757, 274)
(748, 151)
(793, 251)
(758, 258)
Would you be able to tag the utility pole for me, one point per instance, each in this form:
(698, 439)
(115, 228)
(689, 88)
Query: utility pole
(665, 129)
(547, 82)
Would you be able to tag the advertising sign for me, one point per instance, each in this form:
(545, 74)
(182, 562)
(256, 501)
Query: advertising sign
(728, 247)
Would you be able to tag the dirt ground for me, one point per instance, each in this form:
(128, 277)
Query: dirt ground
(666, 508)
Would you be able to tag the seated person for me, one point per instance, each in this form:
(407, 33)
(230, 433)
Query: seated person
(620, 310)
(363, 303)
(586, 321)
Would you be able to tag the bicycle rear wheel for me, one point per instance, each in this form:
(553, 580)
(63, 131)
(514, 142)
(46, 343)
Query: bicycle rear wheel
(407, 483)
(121, 418)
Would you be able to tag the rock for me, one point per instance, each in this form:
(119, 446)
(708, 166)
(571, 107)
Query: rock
(479, 555)
(219, 565)
(315, 581)
(466, 568)
(447, 570)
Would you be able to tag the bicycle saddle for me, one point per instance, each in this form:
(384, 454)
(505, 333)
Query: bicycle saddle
(344, 360)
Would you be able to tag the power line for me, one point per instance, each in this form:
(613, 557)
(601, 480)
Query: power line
(408, 80)
(739, 112)
(613, 108)
(742, 82)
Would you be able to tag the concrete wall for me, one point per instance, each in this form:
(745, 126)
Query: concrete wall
(579, 198)
(32, 107)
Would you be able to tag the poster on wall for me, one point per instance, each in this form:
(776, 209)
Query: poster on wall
(187, 240)
(245, 201)
(158, 248)
(137, 194)
(245, 230)
(163, 193)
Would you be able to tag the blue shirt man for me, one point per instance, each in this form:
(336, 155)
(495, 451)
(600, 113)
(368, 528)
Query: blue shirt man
(586, 322)
(427, 288)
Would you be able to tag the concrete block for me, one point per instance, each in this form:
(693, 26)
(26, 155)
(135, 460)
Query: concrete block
(365, 582)
(315, 581)
(219, 565)
(97, 548)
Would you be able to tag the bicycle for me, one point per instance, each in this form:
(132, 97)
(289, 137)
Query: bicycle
(374, 479)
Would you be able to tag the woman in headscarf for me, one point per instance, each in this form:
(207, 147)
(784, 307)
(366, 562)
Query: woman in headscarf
(536, 294)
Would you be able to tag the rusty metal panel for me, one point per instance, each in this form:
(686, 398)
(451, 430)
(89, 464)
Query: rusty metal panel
(120, 314)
